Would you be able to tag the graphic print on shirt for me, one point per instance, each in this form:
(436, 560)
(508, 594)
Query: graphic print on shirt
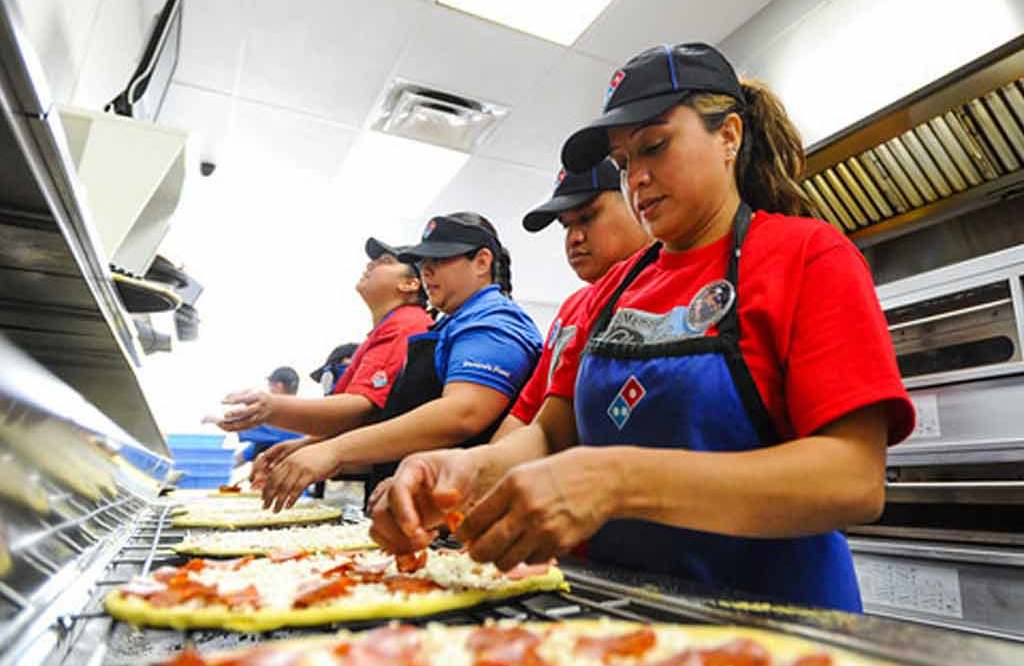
(379, 379)
(560, 339)
(631, 393)
(706, 309)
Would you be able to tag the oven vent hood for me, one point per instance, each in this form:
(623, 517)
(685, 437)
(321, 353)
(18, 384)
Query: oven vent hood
(442, 118)
(953, 146)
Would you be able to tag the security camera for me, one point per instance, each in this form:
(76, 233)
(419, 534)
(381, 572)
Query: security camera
(207, 168)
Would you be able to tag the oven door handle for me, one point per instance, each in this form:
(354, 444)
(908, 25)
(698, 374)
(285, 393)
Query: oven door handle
(955, 492)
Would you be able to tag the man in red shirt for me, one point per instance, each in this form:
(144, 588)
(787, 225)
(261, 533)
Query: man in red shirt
(599, 231)
(394, 295)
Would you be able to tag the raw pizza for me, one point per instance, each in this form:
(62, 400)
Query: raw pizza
(242, 512)
(583, 642)
(313, 538)
(301, 589)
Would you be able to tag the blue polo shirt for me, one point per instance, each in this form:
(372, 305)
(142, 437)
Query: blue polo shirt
(489, 341)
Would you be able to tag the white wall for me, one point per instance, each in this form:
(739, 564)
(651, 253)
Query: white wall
(836, 61)
(88, 48)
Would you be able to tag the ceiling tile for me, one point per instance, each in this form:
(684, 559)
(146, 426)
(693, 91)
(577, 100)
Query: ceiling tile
(539, 270)
(568, 96)
(464, 54)
(211, 44)
(205, 114)
(324, 57)
(286, 140)
(630, 26)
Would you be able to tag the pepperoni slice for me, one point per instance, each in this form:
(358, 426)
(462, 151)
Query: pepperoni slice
(386, 646)
(193, 565)
(247, 596)
(494, 646)
(523, 570)
(632, 644)
(742, 652)
(188, 657)
(230, 489)
(333, 588)
(411, 562)
(814, 660)
(278, 555)
(181, 591)
(453, 519)
(410, 585)
(343, 569)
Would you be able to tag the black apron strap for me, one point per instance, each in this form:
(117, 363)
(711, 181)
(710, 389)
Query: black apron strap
(729, 327)
(648, 258)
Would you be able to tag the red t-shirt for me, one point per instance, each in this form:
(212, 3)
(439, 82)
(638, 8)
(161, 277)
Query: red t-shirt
(381, 356)
(812, 330)
(561, 332)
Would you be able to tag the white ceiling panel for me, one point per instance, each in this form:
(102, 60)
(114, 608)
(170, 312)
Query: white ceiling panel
(569, 96)
(630, 26)
(212, 36)
(287, 140)
(464, 54)
(503, 193)
(324, 57)
(207, 115)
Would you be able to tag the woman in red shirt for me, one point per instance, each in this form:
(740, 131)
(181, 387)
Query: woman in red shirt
(733, 396)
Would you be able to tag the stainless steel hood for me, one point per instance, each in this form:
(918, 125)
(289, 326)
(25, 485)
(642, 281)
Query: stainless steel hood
(951, 147)
(57, 299)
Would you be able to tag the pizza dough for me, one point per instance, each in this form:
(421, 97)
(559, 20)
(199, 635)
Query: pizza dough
(315, 538)
(236, 513)
(304, 590)
(582, 642)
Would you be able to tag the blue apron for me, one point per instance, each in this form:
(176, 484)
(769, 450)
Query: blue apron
(697, 393)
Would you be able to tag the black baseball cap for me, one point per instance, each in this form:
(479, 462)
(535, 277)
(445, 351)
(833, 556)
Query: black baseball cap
(341, 351)
(649, 84)
(375, 248)
(286, 376)
(445, 236)
(572, 190)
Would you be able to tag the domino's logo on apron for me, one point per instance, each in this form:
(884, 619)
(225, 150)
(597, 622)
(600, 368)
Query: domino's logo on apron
(631, 393)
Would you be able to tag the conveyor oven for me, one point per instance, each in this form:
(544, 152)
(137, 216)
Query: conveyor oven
(949, 549)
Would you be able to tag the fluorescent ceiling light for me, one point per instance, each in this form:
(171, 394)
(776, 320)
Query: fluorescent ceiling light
(561, 22)
(387, 179)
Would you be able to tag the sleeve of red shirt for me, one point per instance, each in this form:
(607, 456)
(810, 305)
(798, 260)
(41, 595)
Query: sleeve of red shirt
(840, 355)
(532, 395)
(379, 365)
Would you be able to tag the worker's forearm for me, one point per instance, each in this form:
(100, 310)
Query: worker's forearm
(321, 416)
(761, 493)
(508, 425)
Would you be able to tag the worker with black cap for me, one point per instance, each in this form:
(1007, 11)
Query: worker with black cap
(459, 379)
(260, 437)
(328, 374)
(732, 389)
(393, 292)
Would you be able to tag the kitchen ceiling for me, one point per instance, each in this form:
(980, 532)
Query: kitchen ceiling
(295, 83)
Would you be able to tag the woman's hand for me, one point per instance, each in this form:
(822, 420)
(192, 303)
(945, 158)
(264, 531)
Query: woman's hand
(250, 408)
(543, 508)
(407, 508)
(294, 473)
(266, 461)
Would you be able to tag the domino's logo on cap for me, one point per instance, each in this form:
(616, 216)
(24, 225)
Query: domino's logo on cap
(614, 84)
(429, 229)
(560, 177)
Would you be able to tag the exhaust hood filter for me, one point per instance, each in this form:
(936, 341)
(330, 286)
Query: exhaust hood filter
(959, 149)
(433, 116)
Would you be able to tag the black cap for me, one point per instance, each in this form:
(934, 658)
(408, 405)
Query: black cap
(445, 237)
(375, 248)
(647, 86)
(286, 376)
(341, 351)
(572, 190)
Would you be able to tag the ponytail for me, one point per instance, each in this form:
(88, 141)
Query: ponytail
(771, 161)
(501, 265)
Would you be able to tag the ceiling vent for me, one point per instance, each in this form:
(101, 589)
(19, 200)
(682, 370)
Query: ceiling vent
(954, 146)
(434, 116)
